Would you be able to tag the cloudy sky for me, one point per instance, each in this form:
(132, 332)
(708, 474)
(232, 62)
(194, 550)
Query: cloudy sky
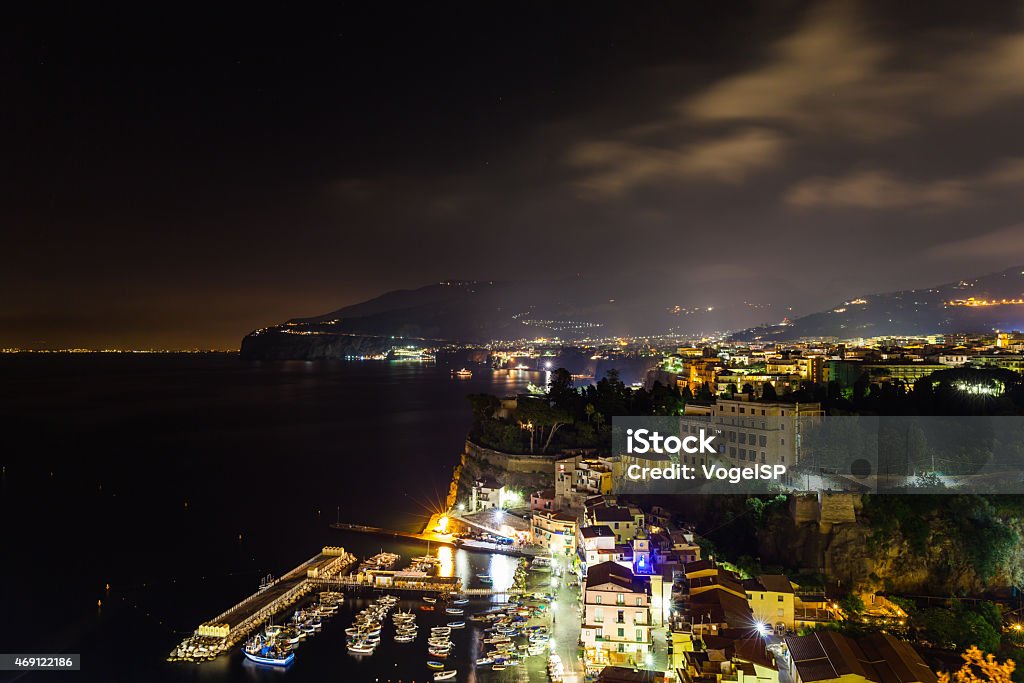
(177, 180)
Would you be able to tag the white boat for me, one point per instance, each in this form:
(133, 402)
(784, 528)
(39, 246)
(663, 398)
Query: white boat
(456, 624)
(404, 638)
(361, 648)
(445, 675)
(453, 610)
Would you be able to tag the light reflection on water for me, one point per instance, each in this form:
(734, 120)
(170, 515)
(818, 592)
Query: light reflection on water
(447, 566)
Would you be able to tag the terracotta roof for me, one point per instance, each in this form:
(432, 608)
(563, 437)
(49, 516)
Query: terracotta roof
(826, 655)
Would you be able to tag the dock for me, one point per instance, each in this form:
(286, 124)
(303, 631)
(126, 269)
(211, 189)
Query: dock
(232, 626)
(442, 539)
(427, 536)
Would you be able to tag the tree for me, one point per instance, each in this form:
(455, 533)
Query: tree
(980, 668)
(748, 389)
(851, 604)
(768, 392)
(560, 390)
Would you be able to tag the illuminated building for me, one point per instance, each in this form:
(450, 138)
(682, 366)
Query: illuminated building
(616, 616)
(762, 432)
(555, 531)
(771, 597)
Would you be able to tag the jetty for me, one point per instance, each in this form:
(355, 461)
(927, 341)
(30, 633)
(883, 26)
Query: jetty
(229, 628)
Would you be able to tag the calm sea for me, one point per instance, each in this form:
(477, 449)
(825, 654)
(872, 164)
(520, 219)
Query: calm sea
(181, 480)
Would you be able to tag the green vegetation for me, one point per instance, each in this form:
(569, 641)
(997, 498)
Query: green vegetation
(976, 532)
(566, 417)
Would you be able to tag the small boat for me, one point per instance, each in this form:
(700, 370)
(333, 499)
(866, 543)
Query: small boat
(483, 661)
(429, 600)
(435, 665)
(361, 648)
(461, 373)
(453, 610)
(445, 675)
(403, 638)
(456, 624)
(460, 601)
(497, 667)
(427, 608)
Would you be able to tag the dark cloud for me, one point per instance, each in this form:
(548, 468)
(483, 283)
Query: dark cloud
(179, 184)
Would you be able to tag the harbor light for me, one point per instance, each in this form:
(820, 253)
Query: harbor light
(442, 524)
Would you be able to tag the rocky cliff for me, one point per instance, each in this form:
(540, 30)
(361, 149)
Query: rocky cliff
(937, 545)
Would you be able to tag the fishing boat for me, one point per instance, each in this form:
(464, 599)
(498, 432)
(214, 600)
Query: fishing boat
(429, 600)
(267, 652)
(435, 665)
(361, 648)
(404, 638)
(462, 373)
(460, 601)
(456, 624)
(453, 610)
(445, 675)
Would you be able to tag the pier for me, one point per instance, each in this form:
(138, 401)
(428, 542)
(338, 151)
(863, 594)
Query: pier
(444, 539)
(427, 536)
(232, 626)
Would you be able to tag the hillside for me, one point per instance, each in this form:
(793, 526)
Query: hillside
(986, 303)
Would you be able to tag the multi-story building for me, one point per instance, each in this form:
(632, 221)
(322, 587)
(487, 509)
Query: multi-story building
(596, 545)
(616, 616)
(625, 522)
(543, 501)
(771, 598)
(486, 494)
(555, 530)
(753, 431)
(578, 478)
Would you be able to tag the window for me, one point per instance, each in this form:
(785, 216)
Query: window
(598, 615)
(763, 441)
(639, 618)
(732, 451)
(620, 599)
(639, 602)
(750, 596)
(622, 633)
(780, 599)
(639, 635)
(762, 456)
(780, 612)
(600, 633)
(620, 618)
(597, 599)
(743, 454)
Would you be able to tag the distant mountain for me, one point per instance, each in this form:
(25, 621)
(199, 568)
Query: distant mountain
(990, 302)
(473, 312)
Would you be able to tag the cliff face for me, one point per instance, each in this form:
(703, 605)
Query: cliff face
(937, 551)
(274, 344)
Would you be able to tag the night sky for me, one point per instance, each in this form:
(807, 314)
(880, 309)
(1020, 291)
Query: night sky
(177, 179)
